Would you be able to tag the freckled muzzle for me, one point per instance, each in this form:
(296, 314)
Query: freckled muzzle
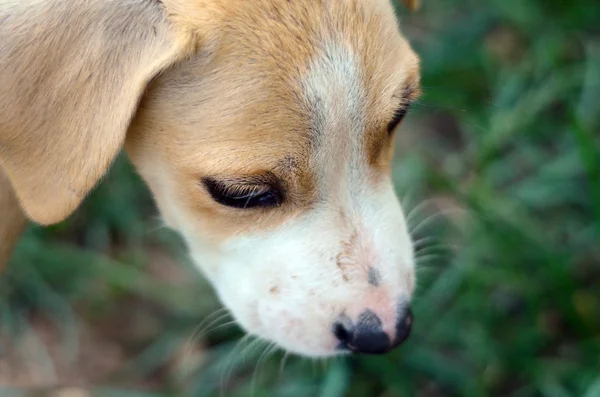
(367, 335)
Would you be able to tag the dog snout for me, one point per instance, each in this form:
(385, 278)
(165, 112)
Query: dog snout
(367, 335)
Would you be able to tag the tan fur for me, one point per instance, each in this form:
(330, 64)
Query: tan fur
(72, 75)
(289, 97)
(12, 220)
(222, 98)
(251, 122)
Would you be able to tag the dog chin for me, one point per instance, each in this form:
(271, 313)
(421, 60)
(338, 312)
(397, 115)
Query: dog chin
(289, 333)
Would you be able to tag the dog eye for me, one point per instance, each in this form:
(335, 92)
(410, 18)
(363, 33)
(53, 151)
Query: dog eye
(243, 196)
(398, 116)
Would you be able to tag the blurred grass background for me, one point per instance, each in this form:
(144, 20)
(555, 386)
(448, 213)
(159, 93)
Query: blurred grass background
(500, 163)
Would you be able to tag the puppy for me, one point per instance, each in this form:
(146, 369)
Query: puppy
(263, 128)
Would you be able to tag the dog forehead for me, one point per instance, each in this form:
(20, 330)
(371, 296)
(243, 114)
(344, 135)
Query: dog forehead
(276, 74)
(334, 94)
(321, 61)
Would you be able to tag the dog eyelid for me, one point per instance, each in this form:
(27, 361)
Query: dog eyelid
(246, 193)
(407, 95)
(398, 117)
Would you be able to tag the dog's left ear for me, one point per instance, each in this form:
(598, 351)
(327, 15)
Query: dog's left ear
(72, 74)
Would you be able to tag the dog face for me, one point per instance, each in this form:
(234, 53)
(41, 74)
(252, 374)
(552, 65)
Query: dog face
(271, 155)
(266, 139)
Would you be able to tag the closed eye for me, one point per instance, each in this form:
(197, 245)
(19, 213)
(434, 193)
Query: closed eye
(398, 116)
(243, 195)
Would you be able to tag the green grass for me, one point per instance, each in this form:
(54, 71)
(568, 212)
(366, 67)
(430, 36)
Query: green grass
(504, 145)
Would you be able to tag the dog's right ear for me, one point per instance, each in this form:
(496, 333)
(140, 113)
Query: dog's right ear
(71, 76)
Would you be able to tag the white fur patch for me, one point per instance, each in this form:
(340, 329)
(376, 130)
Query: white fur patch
(291, 285)
(333, 90)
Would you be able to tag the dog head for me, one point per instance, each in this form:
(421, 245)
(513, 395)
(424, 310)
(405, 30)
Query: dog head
(264, 130)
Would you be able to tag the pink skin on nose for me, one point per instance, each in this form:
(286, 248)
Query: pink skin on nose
(382, 303)
(357, 263)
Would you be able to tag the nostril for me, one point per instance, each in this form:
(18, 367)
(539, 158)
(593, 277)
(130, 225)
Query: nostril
(371, 341)
(342, 334)
(404, 326)
(367, 334)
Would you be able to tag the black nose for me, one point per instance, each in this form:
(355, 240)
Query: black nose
(367, 335)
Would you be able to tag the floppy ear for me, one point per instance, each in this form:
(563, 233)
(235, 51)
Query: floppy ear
(71, 76)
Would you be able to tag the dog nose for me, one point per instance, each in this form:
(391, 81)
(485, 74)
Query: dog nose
(403, 326)
(368, 337)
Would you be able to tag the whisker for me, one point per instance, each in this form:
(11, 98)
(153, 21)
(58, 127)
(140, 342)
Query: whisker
(199, 334)
(209, 317)
(424, 240)
(429, 258)
(432, 217)
(448, 248)
(424, 268)
(202, 330)
(284, 359)
(213, 322)
(254, 345)
(218, 327)
(246, 351)
(416, 211)
(425, 222)
(404, 201)
(269, 349)
(200, 326)
(231, 360)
